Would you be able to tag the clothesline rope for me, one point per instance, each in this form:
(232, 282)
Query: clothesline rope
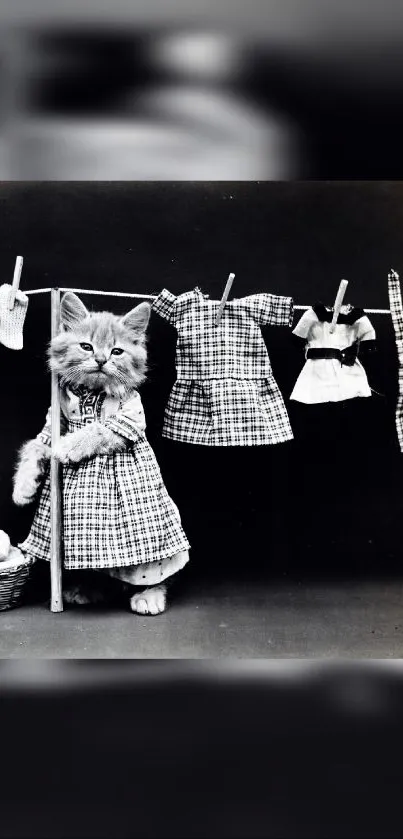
(153, 297)
(368, 311)
(97, 293)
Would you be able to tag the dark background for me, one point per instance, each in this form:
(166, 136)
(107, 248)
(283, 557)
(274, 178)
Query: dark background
(292, 508)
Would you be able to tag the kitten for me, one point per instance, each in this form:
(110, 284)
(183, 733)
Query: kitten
(100, 352)
(75, 366)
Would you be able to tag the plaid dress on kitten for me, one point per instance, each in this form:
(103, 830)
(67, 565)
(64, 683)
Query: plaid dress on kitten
(117, 513)
(225, 393)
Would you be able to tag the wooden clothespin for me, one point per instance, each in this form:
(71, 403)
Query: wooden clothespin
(338, 304)
(224, 298)
(16, 281)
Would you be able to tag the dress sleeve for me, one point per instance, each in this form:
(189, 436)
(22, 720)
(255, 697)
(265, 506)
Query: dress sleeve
(271, 309)
(45, 436)
(365, 331)
(129, 421)
(165, 306)
(303, 327)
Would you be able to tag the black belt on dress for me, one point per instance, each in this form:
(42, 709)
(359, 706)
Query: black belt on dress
(346, 357)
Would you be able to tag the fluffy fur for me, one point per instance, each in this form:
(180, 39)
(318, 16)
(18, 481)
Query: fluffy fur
(30, 468)
(99, 351)
(151, 601)
(100, 368)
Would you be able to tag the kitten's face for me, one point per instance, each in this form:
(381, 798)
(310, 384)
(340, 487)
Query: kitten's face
(100, 350)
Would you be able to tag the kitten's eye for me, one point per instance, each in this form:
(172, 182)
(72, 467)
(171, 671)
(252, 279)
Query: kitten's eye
(87, 347)
(116, 351)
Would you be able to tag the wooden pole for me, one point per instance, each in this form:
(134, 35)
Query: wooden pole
(56, 598)
(224, 298)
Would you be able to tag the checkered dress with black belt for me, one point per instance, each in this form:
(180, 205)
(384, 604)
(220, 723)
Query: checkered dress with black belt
(396, 309)
(225, 393)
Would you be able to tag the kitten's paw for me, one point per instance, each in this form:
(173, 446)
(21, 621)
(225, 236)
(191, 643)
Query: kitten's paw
(151, 601)
(70, 449)
(23, 494)
(79, 596)
(75, 596)
(61, 451)
(78, 452)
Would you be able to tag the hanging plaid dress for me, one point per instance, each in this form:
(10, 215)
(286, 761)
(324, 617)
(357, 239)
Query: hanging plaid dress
(225, 393)
(396, 310)
(117, 514)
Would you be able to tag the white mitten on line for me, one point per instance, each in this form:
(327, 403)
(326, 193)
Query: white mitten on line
(12, 320)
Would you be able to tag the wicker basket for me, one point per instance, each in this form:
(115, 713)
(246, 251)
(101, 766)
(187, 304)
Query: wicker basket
(14, 573)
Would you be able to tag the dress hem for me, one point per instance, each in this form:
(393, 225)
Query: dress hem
(126, 564)
(229, 444)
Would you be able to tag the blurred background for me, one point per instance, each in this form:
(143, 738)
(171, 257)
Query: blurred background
(214, 749)
(206, 91)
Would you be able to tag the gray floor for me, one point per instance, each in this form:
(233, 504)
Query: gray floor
(348, 619)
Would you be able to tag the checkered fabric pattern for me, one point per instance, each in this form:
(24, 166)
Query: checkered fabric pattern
(225, 393)
(396, 309)
(116, 509)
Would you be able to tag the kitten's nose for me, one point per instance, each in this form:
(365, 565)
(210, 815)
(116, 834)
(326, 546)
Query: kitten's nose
(100, 358)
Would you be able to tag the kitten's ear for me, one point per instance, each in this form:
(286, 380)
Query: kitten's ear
(72, 310)
(137, 319)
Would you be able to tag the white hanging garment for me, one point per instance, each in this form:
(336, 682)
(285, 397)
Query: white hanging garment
(12, 320)
(332, 379)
